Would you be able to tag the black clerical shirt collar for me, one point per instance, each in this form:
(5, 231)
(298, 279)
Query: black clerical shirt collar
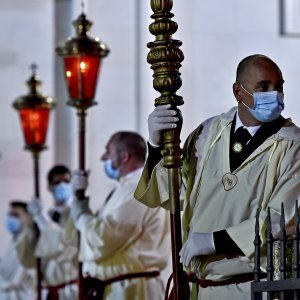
(238, 123)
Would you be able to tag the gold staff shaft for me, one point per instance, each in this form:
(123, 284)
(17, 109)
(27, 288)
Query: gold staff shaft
(165, 58)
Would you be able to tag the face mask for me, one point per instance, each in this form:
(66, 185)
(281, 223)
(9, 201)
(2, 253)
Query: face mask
(110, 171)
(267, 105)
(13, 224)
(62, 192)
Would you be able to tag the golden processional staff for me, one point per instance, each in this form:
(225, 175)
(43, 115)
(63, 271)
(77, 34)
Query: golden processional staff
(82, 57)
(165, 58)
(34, 110)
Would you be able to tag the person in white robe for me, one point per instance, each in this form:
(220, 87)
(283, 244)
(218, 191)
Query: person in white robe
(227, 175)
(16, 281)
(57, 252)
(125, 244)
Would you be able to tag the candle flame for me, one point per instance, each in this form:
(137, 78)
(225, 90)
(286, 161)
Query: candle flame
(82, 66)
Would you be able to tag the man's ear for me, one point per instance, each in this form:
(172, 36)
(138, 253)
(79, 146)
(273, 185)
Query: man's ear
(125, 155)
(237, 91)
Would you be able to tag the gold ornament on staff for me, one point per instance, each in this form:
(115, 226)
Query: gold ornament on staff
(165, 58)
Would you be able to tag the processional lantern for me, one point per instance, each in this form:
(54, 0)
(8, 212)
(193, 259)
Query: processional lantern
(82, 56)
(34, 111)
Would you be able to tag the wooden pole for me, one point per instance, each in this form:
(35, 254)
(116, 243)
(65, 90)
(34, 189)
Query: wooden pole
(36, 172)
(176, 242)
(80, 194)
(165, 58)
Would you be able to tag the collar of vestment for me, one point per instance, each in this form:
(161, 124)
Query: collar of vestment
(132, 174)
(263, 133)
(251, 129)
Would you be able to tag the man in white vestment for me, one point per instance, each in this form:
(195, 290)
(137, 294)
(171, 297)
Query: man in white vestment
(125, 245)
(233, 164)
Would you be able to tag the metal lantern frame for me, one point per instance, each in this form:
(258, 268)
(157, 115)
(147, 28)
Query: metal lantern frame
(34, 110)
(80, 52)
(82, 57)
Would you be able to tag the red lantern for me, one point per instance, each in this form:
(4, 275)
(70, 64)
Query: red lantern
(34, 110)
(82, 59)
(35, 124)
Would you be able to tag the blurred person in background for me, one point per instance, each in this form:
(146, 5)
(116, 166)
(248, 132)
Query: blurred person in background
(125, 245)
(16, 281)
(58, 253)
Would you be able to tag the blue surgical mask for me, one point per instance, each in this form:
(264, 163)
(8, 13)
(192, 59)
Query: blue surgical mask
(13, 224)
(267, 105)
(62, 192)
(110, 171)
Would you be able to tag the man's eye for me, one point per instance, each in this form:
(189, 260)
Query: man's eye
(262, 88)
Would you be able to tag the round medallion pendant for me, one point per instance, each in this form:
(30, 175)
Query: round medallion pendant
(229, 181)
(237, 147)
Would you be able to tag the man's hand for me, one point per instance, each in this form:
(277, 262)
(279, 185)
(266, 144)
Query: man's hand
(79, 181)
(80, 210)
(161, 118)
(197, 244)
(34, 207)
(41, 218)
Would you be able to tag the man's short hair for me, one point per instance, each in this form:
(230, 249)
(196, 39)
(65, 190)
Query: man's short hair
(245, 63)
(58, 169)
(18, 204)
(133, 143)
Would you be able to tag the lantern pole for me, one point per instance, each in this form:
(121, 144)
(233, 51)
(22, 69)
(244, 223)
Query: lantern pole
(165, 58)
(81, 113)
(34, 111)
(36, 171)
(82, 59)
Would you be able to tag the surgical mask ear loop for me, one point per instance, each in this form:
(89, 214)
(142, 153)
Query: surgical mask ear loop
(245, 105)
(246, 90)
(249, 94)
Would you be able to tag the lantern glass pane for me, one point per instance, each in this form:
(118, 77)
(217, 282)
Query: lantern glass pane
(81, 73)
(35, 124)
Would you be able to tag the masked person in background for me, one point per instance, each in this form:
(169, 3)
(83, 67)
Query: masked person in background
(16, 282)
(234, 164)
(126, 245)
(58, 253)
(59, 184)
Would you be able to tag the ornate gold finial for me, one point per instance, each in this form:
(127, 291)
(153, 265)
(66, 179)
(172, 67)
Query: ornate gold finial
(165, 58)
(35, 98)
(34, 83)
(33, 68)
